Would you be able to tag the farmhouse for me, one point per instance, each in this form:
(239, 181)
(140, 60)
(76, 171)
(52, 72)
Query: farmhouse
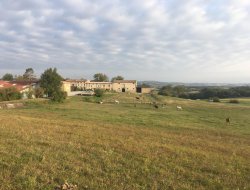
(21, 86)
(83, 85)
(125, 85)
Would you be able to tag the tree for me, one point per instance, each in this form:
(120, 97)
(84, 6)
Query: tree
(8, 77)
(19, 78)
(29, 74)
(117, 78)
(100, 77)
(51, 83)
(179, 90)
(166, 90)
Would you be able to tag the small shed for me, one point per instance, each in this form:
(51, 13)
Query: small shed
(144, 90)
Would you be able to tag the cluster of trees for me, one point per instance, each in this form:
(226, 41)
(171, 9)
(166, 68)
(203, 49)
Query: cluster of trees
(175, 91)
(101, 77)
(50, 84)
(234, 92)
(205, 93)
(28, 75)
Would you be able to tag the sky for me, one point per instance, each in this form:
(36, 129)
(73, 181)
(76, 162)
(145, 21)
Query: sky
(161, 40)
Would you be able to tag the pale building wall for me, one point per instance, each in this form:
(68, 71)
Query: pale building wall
(146, 90)
(66, 87)
(118, 86)
(125, 86)
(101, 85)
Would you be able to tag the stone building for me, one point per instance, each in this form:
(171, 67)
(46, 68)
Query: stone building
(83, 85)
(125, 86)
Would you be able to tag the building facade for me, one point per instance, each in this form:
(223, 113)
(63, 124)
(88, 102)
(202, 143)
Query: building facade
(125, 86)
(117, 85)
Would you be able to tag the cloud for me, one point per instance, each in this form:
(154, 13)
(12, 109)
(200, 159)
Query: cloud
(188, 41)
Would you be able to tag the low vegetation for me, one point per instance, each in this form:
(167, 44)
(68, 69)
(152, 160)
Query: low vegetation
(99, 92)
(130, 145)
(204, 92)
(7, 94)
(216, 99)
(234, 101)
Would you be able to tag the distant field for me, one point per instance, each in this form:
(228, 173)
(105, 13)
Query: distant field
(130, 145)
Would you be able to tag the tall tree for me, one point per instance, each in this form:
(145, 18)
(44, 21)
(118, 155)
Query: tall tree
(29, 74)
(19, 77)
(117, 78)
(51, 83)
(8, 77)
(101, 77)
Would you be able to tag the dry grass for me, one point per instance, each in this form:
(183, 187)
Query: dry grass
(122, 147)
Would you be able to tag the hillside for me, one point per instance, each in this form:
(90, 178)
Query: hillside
(158, 84)
(130, 145)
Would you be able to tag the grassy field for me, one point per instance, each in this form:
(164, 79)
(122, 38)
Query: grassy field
(130, 145)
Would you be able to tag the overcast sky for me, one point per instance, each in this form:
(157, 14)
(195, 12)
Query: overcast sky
(164, 40)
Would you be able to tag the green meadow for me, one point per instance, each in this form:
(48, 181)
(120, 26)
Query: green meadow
(130, 145)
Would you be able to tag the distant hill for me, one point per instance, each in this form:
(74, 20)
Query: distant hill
(158, 84)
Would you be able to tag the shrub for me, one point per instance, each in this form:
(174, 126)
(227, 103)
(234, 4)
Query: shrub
(58, 96)
(39, 92)
(216, 99)
(99, 92)
(234, 101)
(30, 94)
(87, 99)
(8, 94)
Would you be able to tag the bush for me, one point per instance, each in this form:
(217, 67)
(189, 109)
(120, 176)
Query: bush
(58, 96)
(99, 92)
(30, 94)
(39, 92)
(216, 99)
(234, 101)
(87, 99)
(8, 94)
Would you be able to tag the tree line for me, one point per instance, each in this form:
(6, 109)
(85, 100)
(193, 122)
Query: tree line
(29, 75)
(205, 93)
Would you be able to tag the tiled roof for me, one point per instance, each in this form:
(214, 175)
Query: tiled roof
(125, 81)
(95, 82)
(5, 84)
(75, 80)
(19, 86)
